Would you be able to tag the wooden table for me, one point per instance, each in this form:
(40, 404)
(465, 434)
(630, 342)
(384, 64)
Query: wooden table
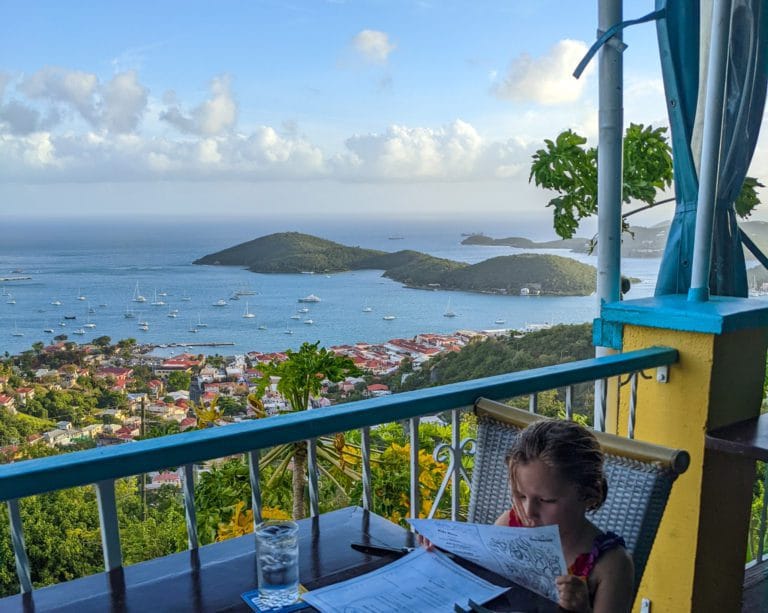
(213, 577)
(748, 438)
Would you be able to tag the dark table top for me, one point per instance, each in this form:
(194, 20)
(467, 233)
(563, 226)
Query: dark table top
(213, 577)
(748, 438)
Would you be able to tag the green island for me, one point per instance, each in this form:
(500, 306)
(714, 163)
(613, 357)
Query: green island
(636, 242)
(293, 252)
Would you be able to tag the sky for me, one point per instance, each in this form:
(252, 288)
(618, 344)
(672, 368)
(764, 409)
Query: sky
(367, 109)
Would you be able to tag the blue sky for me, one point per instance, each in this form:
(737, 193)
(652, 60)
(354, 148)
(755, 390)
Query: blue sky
(265, 108)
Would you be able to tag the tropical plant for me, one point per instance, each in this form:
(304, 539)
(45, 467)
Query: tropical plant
(567, 166)
(300, 378)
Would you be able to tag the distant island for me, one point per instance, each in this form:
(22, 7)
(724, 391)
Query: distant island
(527, 274)
(639, 242)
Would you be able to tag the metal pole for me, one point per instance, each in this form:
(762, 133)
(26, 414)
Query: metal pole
(609, 168)
(717, 67)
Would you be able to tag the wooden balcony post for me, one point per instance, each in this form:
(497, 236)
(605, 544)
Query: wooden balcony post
(697, 562)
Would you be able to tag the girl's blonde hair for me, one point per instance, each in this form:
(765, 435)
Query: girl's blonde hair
(567, 447)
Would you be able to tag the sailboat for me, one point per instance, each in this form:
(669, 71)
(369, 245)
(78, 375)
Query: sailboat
(79, 331)
(16, 331)
(137, 297)
(80, 295)
(156, 301)
(200, 324)
(448, 311)
(88, 323)
(185, 298)
(129, 314)
(248, 314)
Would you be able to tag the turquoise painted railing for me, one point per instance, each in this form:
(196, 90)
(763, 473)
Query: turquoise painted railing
(103, 466)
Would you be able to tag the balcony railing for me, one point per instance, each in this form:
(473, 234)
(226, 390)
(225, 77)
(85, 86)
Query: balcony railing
(102, 467)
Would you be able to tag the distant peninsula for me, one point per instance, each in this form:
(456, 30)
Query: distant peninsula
(294, 252)
(573, 244)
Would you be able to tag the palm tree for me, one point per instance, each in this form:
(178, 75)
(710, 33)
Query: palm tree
(301, 377)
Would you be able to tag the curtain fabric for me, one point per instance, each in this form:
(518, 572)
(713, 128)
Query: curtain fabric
(684, 82)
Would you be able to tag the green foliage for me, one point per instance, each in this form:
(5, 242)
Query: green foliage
(748, 198)
(302, 373)
(554, 274)
(61, 531)
(179, 381)
(569, 168)
(290, 252)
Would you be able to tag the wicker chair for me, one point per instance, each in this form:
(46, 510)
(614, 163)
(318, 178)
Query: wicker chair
(639, 474)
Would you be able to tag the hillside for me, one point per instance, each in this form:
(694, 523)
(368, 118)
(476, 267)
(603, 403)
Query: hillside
(292, 252)
(508, 274)
(574, 244)
(640, 242)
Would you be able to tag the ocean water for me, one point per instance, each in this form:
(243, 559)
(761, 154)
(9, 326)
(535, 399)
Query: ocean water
(104, 262)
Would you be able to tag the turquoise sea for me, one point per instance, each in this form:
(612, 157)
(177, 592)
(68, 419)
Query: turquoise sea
(93, 269)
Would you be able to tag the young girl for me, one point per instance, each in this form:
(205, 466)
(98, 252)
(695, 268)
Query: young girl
(556, 474)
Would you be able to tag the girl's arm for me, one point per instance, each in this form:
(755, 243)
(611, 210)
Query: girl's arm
(614, 576)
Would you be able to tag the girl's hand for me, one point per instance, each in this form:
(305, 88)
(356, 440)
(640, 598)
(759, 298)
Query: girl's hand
(425, 542)
(573, 593)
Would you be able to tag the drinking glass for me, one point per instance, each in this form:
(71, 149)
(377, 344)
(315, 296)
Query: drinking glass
(277, 559)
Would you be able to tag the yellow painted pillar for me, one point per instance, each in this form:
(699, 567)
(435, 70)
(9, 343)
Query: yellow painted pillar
(697, 561)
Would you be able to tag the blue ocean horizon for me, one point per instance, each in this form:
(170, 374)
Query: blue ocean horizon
(94, 267)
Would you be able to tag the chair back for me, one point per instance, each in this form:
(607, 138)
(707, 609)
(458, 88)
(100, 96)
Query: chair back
(639, 475)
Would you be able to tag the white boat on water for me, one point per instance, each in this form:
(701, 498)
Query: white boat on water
(200, 324)
(56, 302)
(262, 327)
(137, 297)
(295, 316)
(310, 298)
(248, 314)
(309, 322)
(48, 330)
(220, 303)
(144, 325)
(79, 331)
(129, 314)
(185, 298)
(156, 301)
(500, 321)
(80, 295)
(303, 310)
(448, 311)
(388, 317)
(16, 331)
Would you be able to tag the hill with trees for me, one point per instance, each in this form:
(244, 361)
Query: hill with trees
(293, 252)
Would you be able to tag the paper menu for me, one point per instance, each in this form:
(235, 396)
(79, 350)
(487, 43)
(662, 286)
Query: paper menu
(421, 581)
(531, 557)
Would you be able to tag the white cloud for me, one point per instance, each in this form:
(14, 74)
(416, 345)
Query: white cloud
(214, 117)
(73, 88)
(453, 152)
(548, 79)
(19, 118)
(373, 45)
(125, 100)
(116, 106)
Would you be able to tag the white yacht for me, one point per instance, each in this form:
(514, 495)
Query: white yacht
(310, 298)
(248, 314)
